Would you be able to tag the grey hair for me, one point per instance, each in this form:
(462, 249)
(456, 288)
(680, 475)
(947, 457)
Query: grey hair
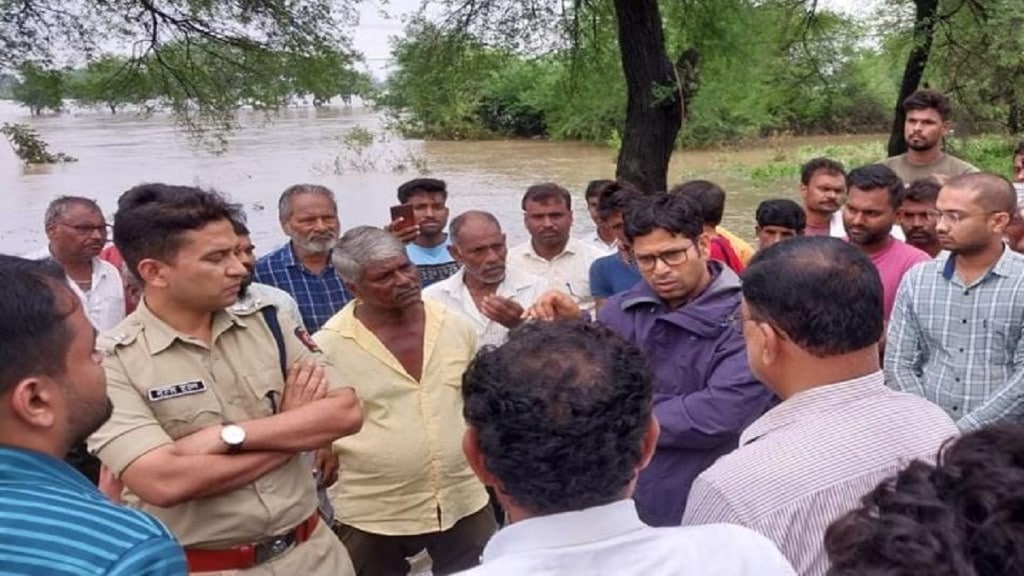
(60, 205)
(462, 219)
(284, 204)
(361, 246)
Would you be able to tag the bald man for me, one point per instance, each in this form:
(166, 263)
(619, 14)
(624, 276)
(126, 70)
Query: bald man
(485, 290)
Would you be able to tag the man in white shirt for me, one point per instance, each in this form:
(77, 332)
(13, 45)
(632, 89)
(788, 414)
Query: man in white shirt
(487, 291)
(811, 317)
(559, 423)
(551, 252)
(77, 231)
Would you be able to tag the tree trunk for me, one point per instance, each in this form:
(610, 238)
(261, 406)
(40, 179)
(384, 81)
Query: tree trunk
(654, 109)
(925, 12)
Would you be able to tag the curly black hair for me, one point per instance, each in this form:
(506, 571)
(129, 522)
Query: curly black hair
(561, 410)
(963, 516)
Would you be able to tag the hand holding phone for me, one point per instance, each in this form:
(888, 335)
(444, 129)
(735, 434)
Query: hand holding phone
(402, 217)
(403, 223)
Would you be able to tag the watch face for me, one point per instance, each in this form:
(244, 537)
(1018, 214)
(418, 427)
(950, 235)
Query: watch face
(233, 434)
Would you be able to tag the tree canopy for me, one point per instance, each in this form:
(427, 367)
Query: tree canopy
(760, 67)
(199, 58)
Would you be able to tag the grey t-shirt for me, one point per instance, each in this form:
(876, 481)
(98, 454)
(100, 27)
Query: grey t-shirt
(946, 165)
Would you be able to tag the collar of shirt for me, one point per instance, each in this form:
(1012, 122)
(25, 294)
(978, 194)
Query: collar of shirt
(101, 272)
(572, 247)
(455, 285)
(347, 325)
(565, 529)
(17, 463)
(1003, 266)
(160, 335)
(808, 402)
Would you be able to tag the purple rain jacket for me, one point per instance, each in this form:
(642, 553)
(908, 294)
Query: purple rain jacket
(704, 392)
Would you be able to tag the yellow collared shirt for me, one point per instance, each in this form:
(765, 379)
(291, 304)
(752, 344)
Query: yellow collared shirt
(404, 473)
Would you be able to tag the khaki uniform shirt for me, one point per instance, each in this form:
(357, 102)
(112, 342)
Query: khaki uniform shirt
(946, 165)
(404, 473)
(165, 385)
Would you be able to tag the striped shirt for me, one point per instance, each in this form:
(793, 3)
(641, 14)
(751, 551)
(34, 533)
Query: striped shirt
(319, 296)
(960, 346)
(53, 522)
(810, 459)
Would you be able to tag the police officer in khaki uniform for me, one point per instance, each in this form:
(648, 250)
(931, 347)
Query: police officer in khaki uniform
(207, 432)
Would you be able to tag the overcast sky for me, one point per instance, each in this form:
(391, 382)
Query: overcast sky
(379, 22)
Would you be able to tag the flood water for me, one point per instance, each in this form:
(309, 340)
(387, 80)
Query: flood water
(306, 145)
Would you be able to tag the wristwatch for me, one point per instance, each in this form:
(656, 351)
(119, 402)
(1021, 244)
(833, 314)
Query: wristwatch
(234, 436)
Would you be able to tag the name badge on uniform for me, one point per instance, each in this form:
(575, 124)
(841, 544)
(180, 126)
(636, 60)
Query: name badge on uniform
(176, 390)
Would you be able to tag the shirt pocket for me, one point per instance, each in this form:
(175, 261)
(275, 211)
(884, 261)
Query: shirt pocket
(263, 392)
(1001, 336)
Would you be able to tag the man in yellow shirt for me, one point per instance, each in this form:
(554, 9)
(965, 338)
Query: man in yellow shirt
(404, 484)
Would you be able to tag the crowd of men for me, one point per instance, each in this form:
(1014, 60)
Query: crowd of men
(656, 398)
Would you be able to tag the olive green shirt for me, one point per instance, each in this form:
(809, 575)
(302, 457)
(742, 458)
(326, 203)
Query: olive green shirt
(946, 165)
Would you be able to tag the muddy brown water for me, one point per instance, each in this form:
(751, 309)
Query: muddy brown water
(308, 145)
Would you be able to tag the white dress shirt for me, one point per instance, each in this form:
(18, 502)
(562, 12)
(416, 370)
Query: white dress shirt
(594, 240)
(519, 287)
(568, 271)
(611, 540)
(104, 302)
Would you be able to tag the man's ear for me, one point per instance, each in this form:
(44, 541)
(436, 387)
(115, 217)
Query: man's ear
(152, 273)
(33, 401)
(453, 251)
(771, 342)
(475, 457)
(704, 245)
(352, 289)
(650, 442)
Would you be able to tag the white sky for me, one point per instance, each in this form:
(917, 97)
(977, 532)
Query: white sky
(380, 20)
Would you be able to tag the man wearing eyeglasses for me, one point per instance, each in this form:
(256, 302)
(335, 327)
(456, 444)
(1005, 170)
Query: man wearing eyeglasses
(77, 232)
(955, 333)
(705, 393)
(812, 319)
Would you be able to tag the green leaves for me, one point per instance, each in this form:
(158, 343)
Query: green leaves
(40, 89)
(29, 147)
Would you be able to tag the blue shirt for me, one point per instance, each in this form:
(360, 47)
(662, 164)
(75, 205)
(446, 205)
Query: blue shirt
(319, 296)
(609, 275)
(53, 521)
(434, 264)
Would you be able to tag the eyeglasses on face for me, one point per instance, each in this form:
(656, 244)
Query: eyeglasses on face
(956, 216)
(671, 257)
(736, 320)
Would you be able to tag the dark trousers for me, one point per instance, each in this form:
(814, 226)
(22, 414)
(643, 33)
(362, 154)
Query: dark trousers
(453, 550)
